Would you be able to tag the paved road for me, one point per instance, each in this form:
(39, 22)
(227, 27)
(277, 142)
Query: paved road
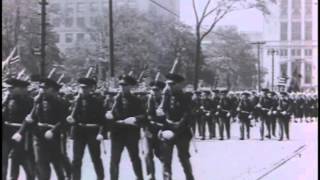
(237, 160)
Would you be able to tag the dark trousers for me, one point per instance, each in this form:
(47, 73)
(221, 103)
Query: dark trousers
(265, 120)
(284, 126)
(166, 149)
(273, 125)
(152, 144)
(244, 124)
(131, 142)
(65, 159)
(224, 122)
(80, 141)
(46, 152)
(19, 156)
(207, 120)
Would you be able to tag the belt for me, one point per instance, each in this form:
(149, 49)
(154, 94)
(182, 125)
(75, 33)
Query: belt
(88, 125)
(12, 124)
(46, 125)
(171, 122)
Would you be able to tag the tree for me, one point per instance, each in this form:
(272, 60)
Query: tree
(230, 59)
(139, 41)
(21, 27)
(217, 10)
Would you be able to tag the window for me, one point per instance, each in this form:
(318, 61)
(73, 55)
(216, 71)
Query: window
(296, 31)
(307, 73)
(308, 8)
(284, 8)
(93, 7)
(94, 20)
(56, 38)
(80, 22)
(296, 8)
(80, 7)
(295, 52)
(69, 9)
(308, 52)
(56, 22)
(308, 30)
(283, 69)
(296, 68)
(283, 52)
(80, 36)
(69, 22)
(55, 8)
(284, 31)
(69, 38)
(105, 6)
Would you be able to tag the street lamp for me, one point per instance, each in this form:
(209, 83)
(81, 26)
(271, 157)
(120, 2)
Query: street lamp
(272, 52)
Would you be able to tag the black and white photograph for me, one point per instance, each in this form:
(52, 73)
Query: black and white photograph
(159, 89)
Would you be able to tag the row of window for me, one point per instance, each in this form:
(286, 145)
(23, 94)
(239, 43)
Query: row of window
(296, 31)
(296, 8)
(296, 68)
(70, 37)
(79, 7)
(295, 52)
(70, 21)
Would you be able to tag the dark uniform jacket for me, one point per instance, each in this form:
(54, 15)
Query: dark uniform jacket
(206, 105)
(285, 105)
(127, 105)
(176, 106)
(225, 107)
(154, 123)
(88, 112)
(267, 104)
(14, 110)
(245, 107)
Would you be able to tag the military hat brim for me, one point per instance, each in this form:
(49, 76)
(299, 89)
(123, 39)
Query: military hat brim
(127, 80)
(46, 82)
(246, 94)
(12, 82)
(284, 93)
(175, 77)
(86, 82)
(265, 90)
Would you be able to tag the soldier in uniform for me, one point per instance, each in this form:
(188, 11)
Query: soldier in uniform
(87, 117)
(16, 138)
(176, 109)
(126, 116)
(214, 109)
(196, 114)
(244, 113)
(153, 126)
(265, 106)
(224, 112)
(299, 107)
(273, 117)
(47, 119)
(284, 111)
(206, 115)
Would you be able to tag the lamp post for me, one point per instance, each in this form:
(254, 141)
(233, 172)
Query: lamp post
(272, 52)
(259, 43)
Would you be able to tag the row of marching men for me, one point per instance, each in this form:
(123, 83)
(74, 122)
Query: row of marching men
(36, 128)
(221, 108)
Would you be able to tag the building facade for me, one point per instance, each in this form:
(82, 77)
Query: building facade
(291, 31)
(71, 18)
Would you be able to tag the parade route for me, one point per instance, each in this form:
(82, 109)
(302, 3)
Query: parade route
(234, 159)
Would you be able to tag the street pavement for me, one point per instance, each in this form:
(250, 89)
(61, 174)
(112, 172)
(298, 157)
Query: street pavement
(234, 159)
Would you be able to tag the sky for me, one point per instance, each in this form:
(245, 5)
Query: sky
(246, 20)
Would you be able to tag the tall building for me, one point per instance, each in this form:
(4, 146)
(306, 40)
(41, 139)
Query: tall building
(70, 18)
(291, 30)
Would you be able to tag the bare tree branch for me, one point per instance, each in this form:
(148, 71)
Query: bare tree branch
(204, 11)
(195, 11)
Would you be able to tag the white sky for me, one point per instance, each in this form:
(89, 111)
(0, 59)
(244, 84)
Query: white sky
(246, 20)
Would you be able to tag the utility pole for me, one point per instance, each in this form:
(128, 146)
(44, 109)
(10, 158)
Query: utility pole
(111, 39)
(272, 52)
(43, 4)
(259, 43)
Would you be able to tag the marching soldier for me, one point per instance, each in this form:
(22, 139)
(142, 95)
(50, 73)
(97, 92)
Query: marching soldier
(206, 115)
(273, 116)
(244, 113)
(299, 107)
(16, 139)
(265, 106)
(155, 123)
(176, 109)
(196, 114)
(224, 112)
(47, 118)
(87, 117)
(215, 117)
(127, 115)
(284, 111)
